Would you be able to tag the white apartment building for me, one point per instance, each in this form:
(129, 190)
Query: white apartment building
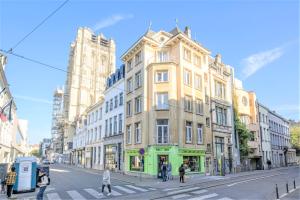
(91, 61)
(263, 113)
(113, 121)
(280, 138)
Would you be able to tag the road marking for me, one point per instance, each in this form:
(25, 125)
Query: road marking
(169, 189)
(115, 193)
(184, 190)
(199, 191)
(204, 197)
(59, 170)
(137, 188)
(125, 189)
(94, 193)
(151, 188)
(251, 180)
(75, 195)
(53, 196)
(178, 196)
(225, 198)
(289, 192)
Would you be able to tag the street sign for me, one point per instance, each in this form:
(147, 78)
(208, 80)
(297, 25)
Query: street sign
(142, 151)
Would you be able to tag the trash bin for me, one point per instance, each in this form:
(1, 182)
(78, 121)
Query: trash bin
(45, 169)
(26, 174)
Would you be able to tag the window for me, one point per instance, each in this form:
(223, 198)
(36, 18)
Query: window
(138, 134)
(161, 76)
(121, 99)
(138, 80)
(207, 121)
(187, 54)
(106, 128)
(128, 110)
(198, 82)
(100, 114)
(162, 131)
(200, 133)
(96, 116)
(106, 107)
(100, 133)
(137, 163)
(110, 126)
(192, 163)
(162, 56)
(221, 116)
(115, 124)
(187, 77)
(92, 119)
(199, 107)
(129, 65)
(219, 90)
(111, 104)
(89, 119)
(138, 104)
(162, 101)
(245, 102)
(128, 134)
(120, 123)
(116, 101)
(188, 104)
(188, 132)
(138, 58)
(129, 85)
(96, 134)
(197, 60)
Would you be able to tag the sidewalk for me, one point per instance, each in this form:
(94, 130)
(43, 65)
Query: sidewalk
(190, 179)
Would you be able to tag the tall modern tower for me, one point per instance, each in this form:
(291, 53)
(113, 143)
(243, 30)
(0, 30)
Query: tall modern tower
(91, 61)
(57, 120)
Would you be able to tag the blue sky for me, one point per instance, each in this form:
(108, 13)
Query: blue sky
(259, 39)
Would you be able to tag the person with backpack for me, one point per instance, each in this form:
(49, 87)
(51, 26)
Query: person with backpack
(181, 173)
(10, 181)
(106, 181)
(43, 181)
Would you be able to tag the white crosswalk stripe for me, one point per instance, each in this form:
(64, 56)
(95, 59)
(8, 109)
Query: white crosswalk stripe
(199, 192)
(53, 196)
(115, 193)
(204, 197)
(152, 189)
(137, 188)
(182, 191)
(124, 189)
(75, 195)
(94, 193)
(179, 196)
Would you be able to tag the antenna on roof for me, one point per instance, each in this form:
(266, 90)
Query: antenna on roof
(176, 21)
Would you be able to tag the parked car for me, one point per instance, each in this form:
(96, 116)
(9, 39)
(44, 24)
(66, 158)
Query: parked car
(46, 162)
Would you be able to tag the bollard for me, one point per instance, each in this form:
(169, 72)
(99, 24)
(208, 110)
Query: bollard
(277, 195)
(287, 188)
(294, 184)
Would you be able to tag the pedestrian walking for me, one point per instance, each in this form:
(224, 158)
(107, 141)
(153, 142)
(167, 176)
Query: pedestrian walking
(169, 168)
(269, 164)
(106, 181)
(164, 171)
(181, 173)
(10, 181)
(43, 181)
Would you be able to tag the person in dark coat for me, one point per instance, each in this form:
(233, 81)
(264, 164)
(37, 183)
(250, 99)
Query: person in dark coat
(10, 181)
(181, 173)
(164, 171)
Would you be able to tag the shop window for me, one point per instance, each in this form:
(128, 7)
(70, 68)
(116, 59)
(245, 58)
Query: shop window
(137, 163)
(191, 163)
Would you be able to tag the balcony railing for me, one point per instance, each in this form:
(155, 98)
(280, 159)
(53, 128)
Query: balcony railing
(156, 59)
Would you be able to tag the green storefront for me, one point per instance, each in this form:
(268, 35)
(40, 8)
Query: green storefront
(150, 163)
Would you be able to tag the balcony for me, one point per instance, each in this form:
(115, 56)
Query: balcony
(161, 60)
(252, 127)
(253, 144)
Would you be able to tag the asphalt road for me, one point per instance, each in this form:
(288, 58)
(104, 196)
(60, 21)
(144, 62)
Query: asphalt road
(73, 183)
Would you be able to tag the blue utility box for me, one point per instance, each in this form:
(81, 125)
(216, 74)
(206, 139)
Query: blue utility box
(26, 174)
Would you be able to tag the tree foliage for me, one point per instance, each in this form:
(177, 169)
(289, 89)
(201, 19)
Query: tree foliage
(244, 136)
(35, 153)
(295, 136)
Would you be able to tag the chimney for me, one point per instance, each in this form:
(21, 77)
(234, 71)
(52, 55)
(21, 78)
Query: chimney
(218, 58)
(187, 31)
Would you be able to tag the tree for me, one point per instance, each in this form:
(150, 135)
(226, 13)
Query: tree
(295, 135)
(35, 153)
(244, 136)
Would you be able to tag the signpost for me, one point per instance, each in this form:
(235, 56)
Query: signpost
(141, 151)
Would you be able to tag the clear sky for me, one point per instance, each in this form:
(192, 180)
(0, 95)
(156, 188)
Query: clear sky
(259, 39)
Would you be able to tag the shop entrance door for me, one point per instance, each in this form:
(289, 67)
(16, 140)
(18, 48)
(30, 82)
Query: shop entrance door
(160, 160)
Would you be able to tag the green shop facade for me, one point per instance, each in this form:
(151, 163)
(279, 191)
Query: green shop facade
(153, 156)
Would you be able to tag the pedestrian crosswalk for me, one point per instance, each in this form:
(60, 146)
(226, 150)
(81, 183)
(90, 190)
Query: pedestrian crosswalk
(194, 193)
(95, 193)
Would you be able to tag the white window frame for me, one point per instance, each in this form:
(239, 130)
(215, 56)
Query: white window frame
(138, 132)
(188, 104)
(188, 132)
(160, 104)
(198, 82)
(138, 79)
(200, 133)
(187, 77)
(162, 74)
(128, 134)
(128, 109)
(199, 107)
(187, 54)
(138, 104)
(162, 56)
(138, 58)
(162, 126)
(129, 85)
